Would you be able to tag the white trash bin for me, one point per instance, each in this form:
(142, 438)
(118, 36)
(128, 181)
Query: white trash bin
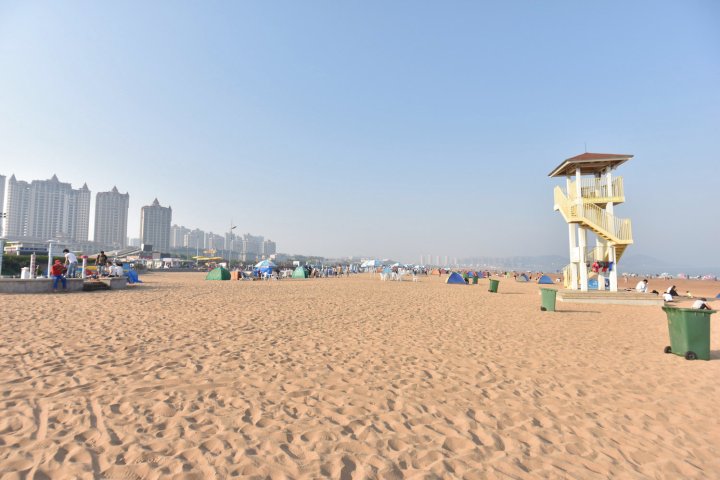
(25, 273)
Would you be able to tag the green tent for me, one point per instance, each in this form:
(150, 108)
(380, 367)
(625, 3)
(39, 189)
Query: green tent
(300, 272)
(218, 274)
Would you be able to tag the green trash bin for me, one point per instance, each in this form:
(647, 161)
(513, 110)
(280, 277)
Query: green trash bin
(475, 280)
(493, 285)
(548, 299)
(689, 332)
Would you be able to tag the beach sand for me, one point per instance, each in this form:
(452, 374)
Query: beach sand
(348, 378)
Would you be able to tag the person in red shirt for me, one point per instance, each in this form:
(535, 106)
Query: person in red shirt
(57, 271)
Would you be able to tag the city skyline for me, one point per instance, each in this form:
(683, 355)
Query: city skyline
(372, 129)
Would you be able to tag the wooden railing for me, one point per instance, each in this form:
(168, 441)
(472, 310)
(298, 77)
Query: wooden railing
(597, 188)
(619, 230)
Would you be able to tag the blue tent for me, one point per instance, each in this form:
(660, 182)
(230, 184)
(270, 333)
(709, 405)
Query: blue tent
(545, 280)
(522, 278)
(718, 295)
(456, 279)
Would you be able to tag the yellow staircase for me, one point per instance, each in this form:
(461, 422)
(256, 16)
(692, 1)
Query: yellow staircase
(617, 231)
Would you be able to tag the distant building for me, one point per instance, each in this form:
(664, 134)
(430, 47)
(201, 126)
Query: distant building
(17, 196)
(2, 203)
(133, 242)
(111, 216)
(269, 248)
(214, 241)
(177, 236)
(252, 247)
(45, 209)
(195, 239)
(155, 226)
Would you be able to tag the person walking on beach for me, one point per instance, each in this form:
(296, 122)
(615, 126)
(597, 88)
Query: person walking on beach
(56, 271)
(70, 263)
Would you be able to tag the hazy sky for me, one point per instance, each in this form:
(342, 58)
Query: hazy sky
(377, 128)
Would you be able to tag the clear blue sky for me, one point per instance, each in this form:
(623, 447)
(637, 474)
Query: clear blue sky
(390, 129)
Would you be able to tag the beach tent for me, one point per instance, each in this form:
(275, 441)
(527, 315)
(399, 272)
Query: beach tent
(455, 279)
(717, 296)
(545, 280)
(522, 278)
(218, 274)
(300, 272)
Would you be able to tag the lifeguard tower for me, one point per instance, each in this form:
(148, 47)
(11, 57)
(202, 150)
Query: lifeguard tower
(588, 206)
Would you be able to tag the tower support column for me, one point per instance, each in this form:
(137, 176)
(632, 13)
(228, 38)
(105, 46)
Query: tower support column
(582, 266)
(573, 257)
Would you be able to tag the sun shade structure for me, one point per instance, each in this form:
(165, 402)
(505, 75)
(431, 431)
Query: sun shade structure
(587, 204)
(218, 274)
(589, 164)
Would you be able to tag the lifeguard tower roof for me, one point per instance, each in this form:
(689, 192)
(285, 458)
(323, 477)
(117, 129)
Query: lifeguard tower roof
(589, 163)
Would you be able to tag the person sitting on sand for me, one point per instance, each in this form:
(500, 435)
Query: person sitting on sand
(701, 304)
(56, 271)
(641, 286)
(671, 290)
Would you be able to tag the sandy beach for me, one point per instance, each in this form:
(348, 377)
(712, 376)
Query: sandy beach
(349, 378)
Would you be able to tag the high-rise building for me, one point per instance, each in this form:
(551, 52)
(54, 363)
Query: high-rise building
(16, 208)
(2, 203)
(195, 239)
(215, 241)
(252, 247)
(269, 248)
(45, 209)
(155, 226)
(111, 217)
(79, 214)
(177, 236)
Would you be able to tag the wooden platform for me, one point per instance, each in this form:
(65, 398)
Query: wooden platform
(610, 298)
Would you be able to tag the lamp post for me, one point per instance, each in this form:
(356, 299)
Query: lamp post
(230, 242)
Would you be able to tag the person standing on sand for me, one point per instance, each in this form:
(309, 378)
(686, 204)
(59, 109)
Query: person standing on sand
(56, 271)
(70, 263)
(101, 262)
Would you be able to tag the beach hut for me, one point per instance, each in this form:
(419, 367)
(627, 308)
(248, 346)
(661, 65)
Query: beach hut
(522, 278)
(300, 272)
(455, 279)
(545, 280)
(218, 274)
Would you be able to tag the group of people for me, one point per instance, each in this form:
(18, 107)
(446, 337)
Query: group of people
(60, 271)
(670, 294)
